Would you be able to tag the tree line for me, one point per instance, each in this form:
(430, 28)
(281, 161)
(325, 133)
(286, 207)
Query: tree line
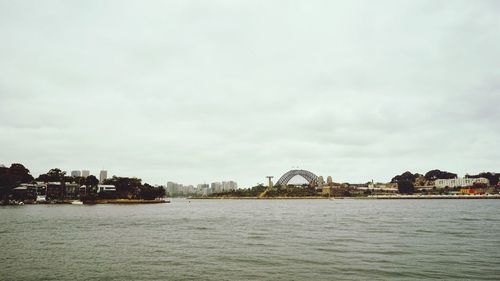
(407, 180)
(126, 188)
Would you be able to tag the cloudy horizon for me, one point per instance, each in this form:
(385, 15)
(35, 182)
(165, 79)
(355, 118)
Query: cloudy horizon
(204, 91)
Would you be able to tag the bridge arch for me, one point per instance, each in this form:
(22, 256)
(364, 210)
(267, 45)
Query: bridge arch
(310, 177)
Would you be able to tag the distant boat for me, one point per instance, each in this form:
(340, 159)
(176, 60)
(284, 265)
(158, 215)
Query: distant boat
(76, 202)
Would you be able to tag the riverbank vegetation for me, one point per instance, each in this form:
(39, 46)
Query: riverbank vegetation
(18, 185)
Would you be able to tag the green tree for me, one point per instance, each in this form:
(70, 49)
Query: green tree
(20, 174)
(53, 175)
(12, 177)
(125, 187)
(406, 187)
(150, 192)
(492, 177)
(433, 175)
(406, 176)
(91, 181)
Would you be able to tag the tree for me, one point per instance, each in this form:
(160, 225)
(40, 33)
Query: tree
(11, 177)
(150, 192)
(53, 175)
(492, 177)
(125, 187)
(20, 174)
(406, 187)
(91, 181)
(406, 176)
(433, 175)
(479, 185)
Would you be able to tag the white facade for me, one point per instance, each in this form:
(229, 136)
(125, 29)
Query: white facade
(106, 188)
(85, 173)
(459, 182)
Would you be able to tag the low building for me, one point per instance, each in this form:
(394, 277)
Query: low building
(472, 191)
(41, 188)
(106, 188)
(459, 182)
(24, 192)
(386, 187)
(82, 191)
(326, 190)
(54, 190)
(72, 190)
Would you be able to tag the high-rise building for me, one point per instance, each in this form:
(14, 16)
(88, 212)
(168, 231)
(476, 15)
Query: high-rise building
(216, 187)
(203, 189)
(329, 180)
(229, 185)
(85, 173)
(76, 173)
(103, 175)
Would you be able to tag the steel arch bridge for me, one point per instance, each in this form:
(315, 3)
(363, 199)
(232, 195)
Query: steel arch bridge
(311, 178)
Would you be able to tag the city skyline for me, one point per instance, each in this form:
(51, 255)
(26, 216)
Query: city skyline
(200, 91)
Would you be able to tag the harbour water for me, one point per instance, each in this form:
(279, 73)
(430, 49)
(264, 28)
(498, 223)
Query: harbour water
(253, 240)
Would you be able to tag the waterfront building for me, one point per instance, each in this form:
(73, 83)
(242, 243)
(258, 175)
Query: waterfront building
(472, 191)
(25, 191)
(54, 190)
(82, 191)
(76, 173)
(85, 173)
(103, 175)
(459, 182)
(71, 190)
(174, 189)
(326, 190)
(105, 188)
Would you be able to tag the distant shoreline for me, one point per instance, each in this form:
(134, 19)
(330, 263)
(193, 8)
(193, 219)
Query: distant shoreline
(380, 197)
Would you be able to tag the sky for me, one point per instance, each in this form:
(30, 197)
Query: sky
(204, 91)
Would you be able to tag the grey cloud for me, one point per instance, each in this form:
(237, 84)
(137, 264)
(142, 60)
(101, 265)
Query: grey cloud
(196, 91)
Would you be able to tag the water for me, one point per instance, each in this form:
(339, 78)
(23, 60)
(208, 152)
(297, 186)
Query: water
(253, 240)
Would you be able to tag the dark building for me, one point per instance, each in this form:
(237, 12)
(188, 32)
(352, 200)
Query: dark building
(55, 191)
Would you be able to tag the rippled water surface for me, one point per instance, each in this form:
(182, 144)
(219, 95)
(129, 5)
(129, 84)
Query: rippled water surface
(253, 240)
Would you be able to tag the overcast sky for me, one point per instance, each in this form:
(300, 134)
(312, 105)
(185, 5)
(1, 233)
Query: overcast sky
(202, 91)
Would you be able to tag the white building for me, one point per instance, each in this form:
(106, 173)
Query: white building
(105, 188)
(85, 173)
(203, 189)
(459, 182)
(103, 175)
(387, 187)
